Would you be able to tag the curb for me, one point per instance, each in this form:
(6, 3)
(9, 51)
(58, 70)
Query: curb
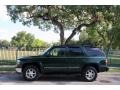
(7, 65)
(7, 72)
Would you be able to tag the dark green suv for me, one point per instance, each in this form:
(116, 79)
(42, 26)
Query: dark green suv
(84, 60)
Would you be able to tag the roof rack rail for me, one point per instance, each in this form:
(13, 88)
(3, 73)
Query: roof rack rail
(88, 45)
(73, 45)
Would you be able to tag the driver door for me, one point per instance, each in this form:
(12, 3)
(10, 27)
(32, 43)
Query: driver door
(55, 61)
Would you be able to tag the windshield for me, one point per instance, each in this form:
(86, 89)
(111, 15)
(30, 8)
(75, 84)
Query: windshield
(42, 53)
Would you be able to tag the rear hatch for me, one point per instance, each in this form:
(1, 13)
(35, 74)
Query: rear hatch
(96, 53)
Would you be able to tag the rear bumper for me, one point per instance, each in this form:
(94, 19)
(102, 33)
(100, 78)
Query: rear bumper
(103, 69)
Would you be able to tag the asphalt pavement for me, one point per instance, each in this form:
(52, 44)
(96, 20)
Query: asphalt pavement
(105, 78)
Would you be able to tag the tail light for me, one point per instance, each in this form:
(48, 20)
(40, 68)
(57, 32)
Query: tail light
(106, 62)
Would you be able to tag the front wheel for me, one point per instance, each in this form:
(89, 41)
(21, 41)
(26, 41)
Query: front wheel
(31, 73)
(89, 74)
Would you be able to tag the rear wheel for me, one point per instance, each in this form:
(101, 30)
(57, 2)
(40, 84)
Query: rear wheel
(31, 73)
(89, 74)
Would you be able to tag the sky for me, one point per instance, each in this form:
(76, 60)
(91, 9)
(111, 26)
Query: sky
(8, 29)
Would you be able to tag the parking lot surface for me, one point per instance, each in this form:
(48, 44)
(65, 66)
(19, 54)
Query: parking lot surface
(106, 78)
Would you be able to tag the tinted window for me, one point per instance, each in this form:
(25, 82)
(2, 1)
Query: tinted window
(75, 52)
(56, 52)
(94, 52)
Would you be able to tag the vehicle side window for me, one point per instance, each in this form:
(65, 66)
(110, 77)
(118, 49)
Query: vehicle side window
(75, 52)
(57, 52)
(94, 52)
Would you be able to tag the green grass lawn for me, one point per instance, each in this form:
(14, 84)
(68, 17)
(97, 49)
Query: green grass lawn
(114, 62)
(7, 62)
(114, 70)
(7, 68)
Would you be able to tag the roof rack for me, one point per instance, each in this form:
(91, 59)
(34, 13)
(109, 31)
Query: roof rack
(88, 45)
(73, 45)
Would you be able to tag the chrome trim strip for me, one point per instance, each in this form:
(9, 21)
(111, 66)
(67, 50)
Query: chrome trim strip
(61, 67)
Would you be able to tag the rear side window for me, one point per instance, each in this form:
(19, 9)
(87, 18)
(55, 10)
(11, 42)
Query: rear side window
(94, 52)
(75, 52)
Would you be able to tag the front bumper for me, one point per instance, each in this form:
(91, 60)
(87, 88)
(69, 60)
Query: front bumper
(19, 70)
(18, 67)
(104, 69)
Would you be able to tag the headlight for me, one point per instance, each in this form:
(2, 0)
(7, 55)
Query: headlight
(18, 61)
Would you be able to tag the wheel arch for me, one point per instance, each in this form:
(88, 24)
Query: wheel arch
(96, 66)
(38, 65)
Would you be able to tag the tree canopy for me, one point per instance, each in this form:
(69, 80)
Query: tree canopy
(22, 39)
(4, 43)
(60, 18)
(39, 43)
(102, 22)
(27, 40)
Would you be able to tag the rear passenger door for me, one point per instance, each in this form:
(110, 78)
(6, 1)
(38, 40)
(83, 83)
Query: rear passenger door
(75, 59)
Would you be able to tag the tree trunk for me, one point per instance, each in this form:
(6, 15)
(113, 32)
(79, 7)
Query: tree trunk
(55, 21)
(77, 30)
(60, 26)
(62, 37)
(71, 36)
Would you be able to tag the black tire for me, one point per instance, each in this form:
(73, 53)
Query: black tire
(29, 77)
(89, 74)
